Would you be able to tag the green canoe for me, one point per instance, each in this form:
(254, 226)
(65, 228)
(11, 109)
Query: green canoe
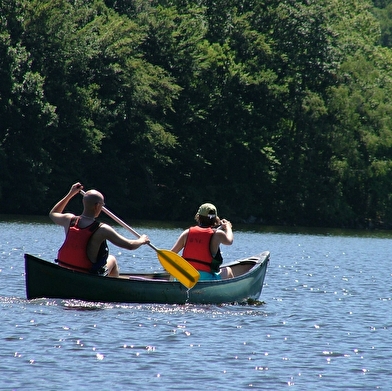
(48, 280)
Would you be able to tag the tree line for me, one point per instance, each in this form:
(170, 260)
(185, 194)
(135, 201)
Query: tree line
(279, 112)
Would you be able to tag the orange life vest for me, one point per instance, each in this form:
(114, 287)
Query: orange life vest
(73, 252)
(197, 248)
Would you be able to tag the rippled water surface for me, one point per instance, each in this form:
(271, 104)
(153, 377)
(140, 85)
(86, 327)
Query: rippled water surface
(325, 322)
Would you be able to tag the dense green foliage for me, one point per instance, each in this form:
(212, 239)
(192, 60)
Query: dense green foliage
(278, 112)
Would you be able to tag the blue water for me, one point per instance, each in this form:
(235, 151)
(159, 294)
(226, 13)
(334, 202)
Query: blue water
(324, 325)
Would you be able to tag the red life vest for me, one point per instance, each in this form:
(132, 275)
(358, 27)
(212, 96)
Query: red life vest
(197, 248)
(73, 252)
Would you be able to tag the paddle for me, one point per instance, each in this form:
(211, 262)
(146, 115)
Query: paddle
(173, 263)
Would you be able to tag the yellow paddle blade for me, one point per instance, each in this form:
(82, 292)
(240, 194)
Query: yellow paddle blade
(178, 267)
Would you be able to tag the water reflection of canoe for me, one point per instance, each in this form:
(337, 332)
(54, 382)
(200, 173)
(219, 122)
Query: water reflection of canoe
(48, 280)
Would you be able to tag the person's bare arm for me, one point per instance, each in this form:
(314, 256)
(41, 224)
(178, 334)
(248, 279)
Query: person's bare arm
(223, 235)
(227, 231)
(56, 214)
(106, 232)
(180, 243)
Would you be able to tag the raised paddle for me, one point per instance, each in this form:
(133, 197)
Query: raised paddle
(173, 263)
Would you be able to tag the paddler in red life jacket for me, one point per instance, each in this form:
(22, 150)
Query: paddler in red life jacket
(85, 248)
(200, 243)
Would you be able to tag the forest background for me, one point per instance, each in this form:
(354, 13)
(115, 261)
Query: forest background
(279, 112)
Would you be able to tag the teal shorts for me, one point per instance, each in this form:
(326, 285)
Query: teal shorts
(206, 276)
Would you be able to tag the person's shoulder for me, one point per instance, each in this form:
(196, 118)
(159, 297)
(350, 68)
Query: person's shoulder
(105, 227)
(185, 232)
(62, 215)
(105, 231)
(220, 232)
(61, 218)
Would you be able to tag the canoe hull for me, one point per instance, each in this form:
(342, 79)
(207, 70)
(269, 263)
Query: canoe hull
(48, 280)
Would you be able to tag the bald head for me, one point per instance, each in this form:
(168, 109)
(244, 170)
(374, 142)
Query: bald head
(91, 198)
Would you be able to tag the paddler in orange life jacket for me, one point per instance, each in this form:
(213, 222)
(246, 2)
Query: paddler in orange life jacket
(200, 243)
(85, 247)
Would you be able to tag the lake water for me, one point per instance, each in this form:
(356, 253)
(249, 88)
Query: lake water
(324, 325)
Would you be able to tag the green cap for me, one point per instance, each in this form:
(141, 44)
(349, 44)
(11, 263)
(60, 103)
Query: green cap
(207, 210)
